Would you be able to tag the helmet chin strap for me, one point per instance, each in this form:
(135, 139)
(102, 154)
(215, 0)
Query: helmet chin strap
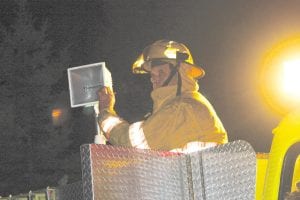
(174, 70)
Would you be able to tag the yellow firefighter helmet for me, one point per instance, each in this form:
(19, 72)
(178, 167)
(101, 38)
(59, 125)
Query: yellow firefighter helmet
(168, 51)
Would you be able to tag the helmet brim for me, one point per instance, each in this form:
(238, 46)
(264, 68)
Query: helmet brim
(193, 71)
(170, 52)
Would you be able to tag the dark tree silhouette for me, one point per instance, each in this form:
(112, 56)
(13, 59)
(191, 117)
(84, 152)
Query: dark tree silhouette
(34, 142)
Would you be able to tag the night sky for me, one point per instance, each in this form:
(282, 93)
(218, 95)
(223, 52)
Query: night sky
(228, 38)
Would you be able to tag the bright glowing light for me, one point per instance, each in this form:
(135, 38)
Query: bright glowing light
(279, 76)
(291, 78)
(57, 116)
(56, 113)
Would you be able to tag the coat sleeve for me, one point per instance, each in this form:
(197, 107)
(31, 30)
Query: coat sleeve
(183, 122)
(121, 133)
(171, 127)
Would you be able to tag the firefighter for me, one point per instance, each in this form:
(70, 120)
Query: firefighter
(182, 119)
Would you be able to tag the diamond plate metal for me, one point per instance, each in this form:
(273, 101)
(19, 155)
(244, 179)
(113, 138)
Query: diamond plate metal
(86, 172)
(126, 173)
(224, 172)
(117, 173)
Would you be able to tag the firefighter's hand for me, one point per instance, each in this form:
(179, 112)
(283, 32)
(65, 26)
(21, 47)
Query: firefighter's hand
(106, 99)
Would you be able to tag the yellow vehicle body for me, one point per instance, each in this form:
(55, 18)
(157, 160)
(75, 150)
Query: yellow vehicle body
(279, 171)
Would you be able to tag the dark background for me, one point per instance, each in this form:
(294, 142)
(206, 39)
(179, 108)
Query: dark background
(41, 39)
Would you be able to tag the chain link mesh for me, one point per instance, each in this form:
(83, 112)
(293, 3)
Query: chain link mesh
(70, 192)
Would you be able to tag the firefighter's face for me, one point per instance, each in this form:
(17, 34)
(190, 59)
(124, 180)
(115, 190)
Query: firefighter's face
(159, 75)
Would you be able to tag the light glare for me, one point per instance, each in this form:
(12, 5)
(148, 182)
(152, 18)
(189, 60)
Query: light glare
(171, 53)
(279, 75)
(291, 78)
(56, 113)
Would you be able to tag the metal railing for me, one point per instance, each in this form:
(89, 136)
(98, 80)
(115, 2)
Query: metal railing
(116, 173)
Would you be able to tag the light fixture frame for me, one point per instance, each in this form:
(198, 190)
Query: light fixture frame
(85, 81)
